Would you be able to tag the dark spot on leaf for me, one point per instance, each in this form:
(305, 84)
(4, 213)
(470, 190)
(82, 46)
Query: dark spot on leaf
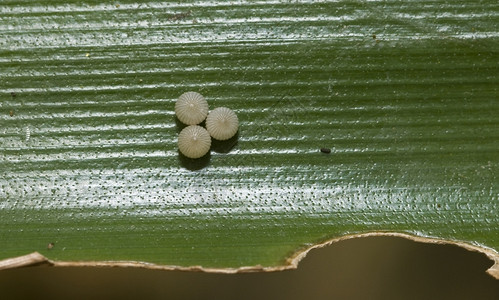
(325, 150)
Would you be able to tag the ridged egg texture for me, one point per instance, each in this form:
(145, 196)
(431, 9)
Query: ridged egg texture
(191, 108)
(194, 141)
(222, 123)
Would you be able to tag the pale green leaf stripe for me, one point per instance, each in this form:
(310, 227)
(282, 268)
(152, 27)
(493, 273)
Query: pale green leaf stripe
(405, 93)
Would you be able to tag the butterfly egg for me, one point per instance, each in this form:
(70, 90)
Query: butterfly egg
(194, 141)
(191, 108)
(222, 123)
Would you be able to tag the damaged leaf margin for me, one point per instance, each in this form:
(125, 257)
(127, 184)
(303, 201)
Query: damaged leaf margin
(36, 259)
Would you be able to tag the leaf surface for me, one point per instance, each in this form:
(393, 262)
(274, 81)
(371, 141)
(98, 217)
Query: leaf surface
(405, 94)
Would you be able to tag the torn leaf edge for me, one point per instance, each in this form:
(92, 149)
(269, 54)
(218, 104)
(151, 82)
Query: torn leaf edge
(36, 259)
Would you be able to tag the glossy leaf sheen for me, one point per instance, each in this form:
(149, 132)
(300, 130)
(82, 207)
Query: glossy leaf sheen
(404, 94)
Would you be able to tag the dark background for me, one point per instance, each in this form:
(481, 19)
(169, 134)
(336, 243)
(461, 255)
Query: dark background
(364, 268)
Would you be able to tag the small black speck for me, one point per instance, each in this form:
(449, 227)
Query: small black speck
(13, 94)
(325, 150)
(374, 36)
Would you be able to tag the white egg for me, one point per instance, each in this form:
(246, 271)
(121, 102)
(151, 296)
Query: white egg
(194, 141)
(222, 123)
(191, 108)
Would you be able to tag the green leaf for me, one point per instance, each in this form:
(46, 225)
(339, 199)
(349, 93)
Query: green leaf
(405, 94)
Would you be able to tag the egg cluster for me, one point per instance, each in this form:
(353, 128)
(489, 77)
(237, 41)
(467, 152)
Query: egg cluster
(192, 109)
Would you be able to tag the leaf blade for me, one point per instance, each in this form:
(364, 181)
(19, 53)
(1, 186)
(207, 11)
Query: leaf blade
(410, 115)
